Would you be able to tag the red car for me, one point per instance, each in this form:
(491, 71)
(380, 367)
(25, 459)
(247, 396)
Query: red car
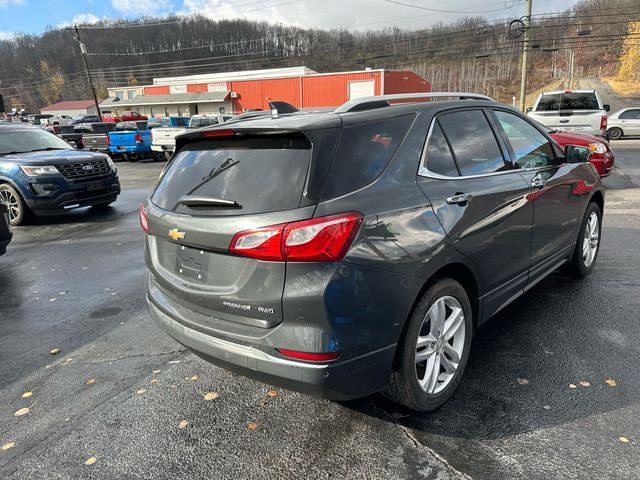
(601, 155)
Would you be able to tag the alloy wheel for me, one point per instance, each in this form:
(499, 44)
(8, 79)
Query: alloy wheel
(10, 200)
(591, 239)
(440, 345)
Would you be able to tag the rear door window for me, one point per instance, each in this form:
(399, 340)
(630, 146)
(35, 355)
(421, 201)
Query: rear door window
(630, 115)
(261, 173)
(439, 158)
(363, 152)
(472, 141)
(568, 101)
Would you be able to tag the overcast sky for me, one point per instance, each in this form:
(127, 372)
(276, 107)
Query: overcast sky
(34, 16)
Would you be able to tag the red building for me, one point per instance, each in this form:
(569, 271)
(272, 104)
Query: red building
(242, 91)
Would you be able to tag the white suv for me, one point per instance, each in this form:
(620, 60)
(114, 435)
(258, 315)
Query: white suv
(578, 111)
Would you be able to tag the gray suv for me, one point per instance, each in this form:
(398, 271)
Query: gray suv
(347, 252)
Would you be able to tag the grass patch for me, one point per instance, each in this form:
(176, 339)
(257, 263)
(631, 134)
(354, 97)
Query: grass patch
(623, 87)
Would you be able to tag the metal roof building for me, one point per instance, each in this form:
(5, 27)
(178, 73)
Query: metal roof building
(71, 108)
(236, 92)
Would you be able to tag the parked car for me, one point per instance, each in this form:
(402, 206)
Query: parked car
(125, 117)
(163, 140)
(602, 157)
(41, 174)
(36, 119)
(131, 141)
(97, 139)
(355, 251)
(167, 122)
(579, 111)
(5, 226)
(86, 119)
(624, 123)
(57, 120)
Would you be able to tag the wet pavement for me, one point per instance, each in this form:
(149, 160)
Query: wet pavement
(120, 390)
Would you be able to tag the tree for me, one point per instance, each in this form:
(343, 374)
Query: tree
(630, 58)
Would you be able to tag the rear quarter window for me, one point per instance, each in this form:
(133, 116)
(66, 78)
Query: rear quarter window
(363, 152)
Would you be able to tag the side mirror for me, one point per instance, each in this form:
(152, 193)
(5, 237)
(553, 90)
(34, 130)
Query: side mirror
(577, 154)
(606, 107)
(529, 109)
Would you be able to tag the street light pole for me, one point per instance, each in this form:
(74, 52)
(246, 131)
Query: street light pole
(83, 51)
(525, 46)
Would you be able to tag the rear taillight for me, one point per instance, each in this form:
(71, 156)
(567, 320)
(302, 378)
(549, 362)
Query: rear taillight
(313, 357)
(603, 122)
(144, 222)
(108, 141)
(138, 138)
(324, 239)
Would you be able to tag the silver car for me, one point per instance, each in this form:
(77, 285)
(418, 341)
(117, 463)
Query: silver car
(624, 123)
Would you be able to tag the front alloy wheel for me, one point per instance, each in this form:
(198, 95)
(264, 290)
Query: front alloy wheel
(588, 243)
(590, 240)
(12, 199)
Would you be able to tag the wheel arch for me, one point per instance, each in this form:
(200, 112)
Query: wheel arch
(598, 198)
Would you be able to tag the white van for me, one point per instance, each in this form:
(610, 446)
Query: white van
(579, 111)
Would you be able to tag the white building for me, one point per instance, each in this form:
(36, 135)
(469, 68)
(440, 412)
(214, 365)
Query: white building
(72, 108)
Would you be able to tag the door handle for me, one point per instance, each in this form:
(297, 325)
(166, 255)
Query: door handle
(537, 183)
(459, 199)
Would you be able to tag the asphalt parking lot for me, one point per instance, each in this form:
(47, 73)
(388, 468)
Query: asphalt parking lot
(123, 395)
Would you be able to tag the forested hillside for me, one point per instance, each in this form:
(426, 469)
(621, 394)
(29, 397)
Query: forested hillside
(473, 54)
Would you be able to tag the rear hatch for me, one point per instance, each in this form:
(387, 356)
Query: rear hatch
(264, 177)
(570, 111)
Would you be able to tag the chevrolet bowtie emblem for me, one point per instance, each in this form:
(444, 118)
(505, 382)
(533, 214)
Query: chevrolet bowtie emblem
(176, 234)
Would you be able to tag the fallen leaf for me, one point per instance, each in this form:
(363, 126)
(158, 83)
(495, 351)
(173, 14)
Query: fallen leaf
(157, 371)
(8, 445)
(571, 385)
(272, 393)
(252, 425)
(623, 439)
(183, 424)
(611, 382)
(211, 396)
(140, 391)
(546, 407)
(55, 351)
(91, 381)
(194, 378)
(27, 394)
(585, 384)
(69, 359)
(90, 461)
(22, 411)
(522, 381)
(154, 380)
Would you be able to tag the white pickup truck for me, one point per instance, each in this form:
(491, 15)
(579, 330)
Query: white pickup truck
(163, 139)
(579, 111)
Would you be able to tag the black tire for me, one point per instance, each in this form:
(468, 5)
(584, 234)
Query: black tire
(404, 387)
(614, 133)
(130, 157)
(19, 213)
(580, 266)
(167, 156)
(158, 156)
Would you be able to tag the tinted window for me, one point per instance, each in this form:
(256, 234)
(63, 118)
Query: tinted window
(474, 146)
(182, 122)
(439, 159)
(198, 122)
(531, 148)
(262, 174)
(363, 152)
(567, 101)
(630, 115)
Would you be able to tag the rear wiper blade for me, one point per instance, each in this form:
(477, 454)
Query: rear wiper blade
(194, 201)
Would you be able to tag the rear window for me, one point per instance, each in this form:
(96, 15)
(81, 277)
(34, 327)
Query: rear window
(568, 101)
(261, 173)
(182, 122)
(363, 152)
(198, 122)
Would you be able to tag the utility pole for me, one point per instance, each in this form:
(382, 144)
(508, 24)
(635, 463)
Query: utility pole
(83, 51)
(525, 46)
(572, 56)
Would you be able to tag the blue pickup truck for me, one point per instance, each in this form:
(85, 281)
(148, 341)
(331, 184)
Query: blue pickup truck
(131, 141)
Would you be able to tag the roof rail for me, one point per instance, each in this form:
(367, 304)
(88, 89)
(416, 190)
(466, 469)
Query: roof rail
(366, 103)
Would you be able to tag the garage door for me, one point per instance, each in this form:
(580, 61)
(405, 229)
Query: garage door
(364, 88)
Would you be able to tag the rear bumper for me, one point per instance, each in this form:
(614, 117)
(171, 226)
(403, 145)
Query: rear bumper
(336, 380)
(163, 148)
(139, 150)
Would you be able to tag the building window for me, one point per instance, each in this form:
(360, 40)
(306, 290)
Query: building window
(151, 110)
(120, 94)
(166, 112)
(179, 111)
(195, 109)
(222, 110)
(131, 94)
